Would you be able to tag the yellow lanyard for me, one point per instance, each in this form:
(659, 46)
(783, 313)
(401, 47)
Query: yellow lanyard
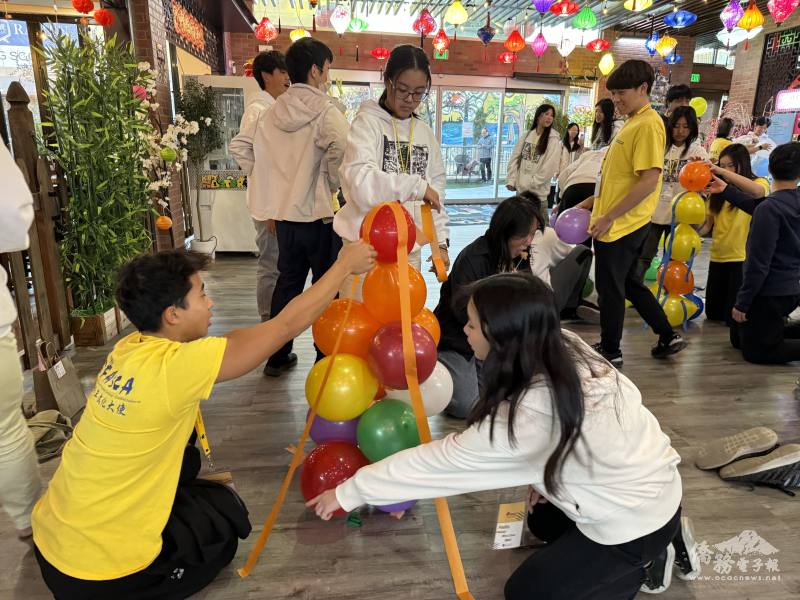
(200, 428)
(404, 168)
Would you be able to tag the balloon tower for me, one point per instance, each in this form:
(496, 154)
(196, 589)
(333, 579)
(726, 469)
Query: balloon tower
(674, 286)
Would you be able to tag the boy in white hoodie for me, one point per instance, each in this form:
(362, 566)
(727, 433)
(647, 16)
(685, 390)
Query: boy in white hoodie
(19, 472)
(303, 137)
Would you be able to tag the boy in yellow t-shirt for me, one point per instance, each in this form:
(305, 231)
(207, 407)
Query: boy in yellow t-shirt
(630, 184)
(125, 515)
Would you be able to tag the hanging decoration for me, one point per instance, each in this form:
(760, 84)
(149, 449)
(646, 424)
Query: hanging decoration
(82, 6)
(585, 19)
(424, 25)
(299, 34)
(733, 37)
(380, 53)
(637, 5)
(781, 9)
(666, 45)
(680, 18)
(539, 47)
(104, 17)
(731, 14)
(440, 41)
(248, 68)
(564, 8)
(507, 57)
(514, 42)
(313, 5)
(542, 6)
(598, 45)
(357, 25)
(651, 43)
(265, 31)
(486, 33)
(751, 19)
(509, 26)
(606, 64)
(565, 47)
(340, 18)
(456, 15)
(673, 59)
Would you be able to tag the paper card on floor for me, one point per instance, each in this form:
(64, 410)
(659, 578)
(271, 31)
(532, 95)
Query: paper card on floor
(510, 523)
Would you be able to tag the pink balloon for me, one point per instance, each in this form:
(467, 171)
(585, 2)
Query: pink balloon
(385, 355)
(572, 226)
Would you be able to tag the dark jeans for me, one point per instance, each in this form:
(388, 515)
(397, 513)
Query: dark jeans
(486, 169)
(569, 276)
(575, 194)
(765, 338)
(573, 567)
(301, 247)
(617, 278)
(650, 248)
(724, 281)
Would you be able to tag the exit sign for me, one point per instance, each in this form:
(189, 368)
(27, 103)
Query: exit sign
(441, 55)
(695, 78)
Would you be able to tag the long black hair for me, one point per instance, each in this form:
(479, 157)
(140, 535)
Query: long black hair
(404, 57)
(740, 158)
(575, 145)
(607, 126)
(519, 319)
(513, 217)
(725, 128)
(683, 112)
(541, 145)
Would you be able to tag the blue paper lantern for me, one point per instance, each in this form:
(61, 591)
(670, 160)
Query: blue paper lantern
(680, 18)
(650, 43)
(486, 34)
(673, 58)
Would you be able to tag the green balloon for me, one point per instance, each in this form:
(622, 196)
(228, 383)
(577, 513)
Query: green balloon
(651, 273)
(385, 428)
(588, 288)
(656, 262)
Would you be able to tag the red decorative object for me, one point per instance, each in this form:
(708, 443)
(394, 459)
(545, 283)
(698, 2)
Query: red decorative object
(507, 57)
(266, 31)
(248, 68)
(514, 42)
(781, 9)
(104, 17)
(187, 27)
(380, 53)
(424, 24)
(598, 45)
(328, 465)
(565, 8)
(83, 6)
(440, 41)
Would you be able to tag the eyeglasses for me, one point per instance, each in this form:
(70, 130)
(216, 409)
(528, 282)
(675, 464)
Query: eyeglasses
(729, 166)
(403, 93)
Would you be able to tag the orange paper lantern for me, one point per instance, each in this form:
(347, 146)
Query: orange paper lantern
(163, 223)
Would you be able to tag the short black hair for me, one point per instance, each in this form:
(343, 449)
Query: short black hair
(784, 162)
(151, 283)
(763, 121)
(677, 92)
(267, 62)
(725, 127)
(631, 74)
(302, 55)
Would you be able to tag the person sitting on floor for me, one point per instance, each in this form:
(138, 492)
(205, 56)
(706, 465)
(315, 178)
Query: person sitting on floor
(125, 515)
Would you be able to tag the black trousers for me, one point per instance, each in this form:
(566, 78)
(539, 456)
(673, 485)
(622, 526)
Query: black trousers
(724, 281)
(617, 278)
(573, 567)
(486, 169)
(765, 338)
(302, 247)
(650, 248)
(573, 195)
(569, 276)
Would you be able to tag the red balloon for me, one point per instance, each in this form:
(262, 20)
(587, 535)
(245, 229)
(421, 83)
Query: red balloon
(386, 355)
(382, 235)
(328, 465)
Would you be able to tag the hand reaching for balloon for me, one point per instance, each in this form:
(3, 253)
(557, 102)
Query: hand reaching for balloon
(358, 257)
(325, 504)
(716, 185)
(432, 197)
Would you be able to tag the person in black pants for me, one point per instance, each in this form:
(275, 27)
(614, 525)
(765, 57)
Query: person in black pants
(771, 286)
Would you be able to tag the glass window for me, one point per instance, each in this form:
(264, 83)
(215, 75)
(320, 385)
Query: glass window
(15, 62)
(351, 95)
(704, 55)
(230, 102)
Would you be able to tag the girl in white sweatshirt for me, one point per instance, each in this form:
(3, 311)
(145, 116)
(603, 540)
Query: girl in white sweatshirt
(392, 154)
(536, 157)
(556, 416)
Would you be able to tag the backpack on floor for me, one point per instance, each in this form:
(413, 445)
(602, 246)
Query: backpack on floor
(51, 430)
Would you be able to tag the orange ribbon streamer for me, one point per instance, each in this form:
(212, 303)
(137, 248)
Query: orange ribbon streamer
(430, 232)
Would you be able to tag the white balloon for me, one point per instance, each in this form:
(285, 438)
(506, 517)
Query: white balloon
(436, 390)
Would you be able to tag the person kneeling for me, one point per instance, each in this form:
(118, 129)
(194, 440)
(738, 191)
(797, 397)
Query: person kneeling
(125, 516)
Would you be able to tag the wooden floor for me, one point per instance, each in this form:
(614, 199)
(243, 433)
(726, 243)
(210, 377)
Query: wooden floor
(704, 392)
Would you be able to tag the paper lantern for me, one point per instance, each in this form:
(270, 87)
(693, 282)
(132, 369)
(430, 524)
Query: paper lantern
(565, 47)
(105, 17)
(752, 19)
(456, 14)
(486, 33)
(266, 31)
(637, 5)
(585, 19)
(599, 45)
(680, 18)
(651, 43)
(298, 34)
(539, 45)
(542, 6)
(340, 18)
(673, 59)
(509, 26)
(781, 9)
(606, 64)
(731, 14)
(507, 57)
(564, 8)
(440, 41)
(424, 24)
(733, 37)
(380, 53)
(514, 43)
(357, 25)
(666, 45)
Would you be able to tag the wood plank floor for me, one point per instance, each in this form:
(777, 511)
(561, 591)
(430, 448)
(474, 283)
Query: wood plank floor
(704, 392)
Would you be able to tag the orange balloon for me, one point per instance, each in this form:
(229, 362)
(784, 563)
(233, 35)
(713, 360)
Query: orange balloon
(359, 330)
(695, 176)
(381, 292)
(678, 278)
(430, 323)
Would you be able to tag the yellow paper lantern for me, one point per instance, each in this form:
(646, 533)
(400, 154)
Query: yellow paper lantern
(456, 14)
(638, 5)
(751, 19)
(606, 64)
(298, 34)
(666, 45)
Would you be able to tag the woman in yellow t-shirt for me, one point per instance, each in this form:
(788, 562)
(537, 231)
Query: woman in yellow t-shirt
(722, 139)
(730, 227)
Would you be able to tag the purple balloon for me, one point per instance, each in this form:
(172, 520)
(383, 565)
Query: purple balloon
(323, 430)
(572, 226)
(390, 508)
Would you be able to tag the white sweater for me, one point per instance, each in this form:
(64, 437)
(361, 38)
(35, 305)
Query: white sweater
(16, 216)
(620, 483)
(530, 172)
(586, 169)
(674, 160)
(547, 250)
(371, 172)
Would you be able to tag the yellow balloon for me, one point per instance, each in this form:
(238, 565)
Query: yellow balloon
(675, 310)
(690, 208)
(699, 105)
(350, 389)
(654, 289)
(628, 304)
(684, 240)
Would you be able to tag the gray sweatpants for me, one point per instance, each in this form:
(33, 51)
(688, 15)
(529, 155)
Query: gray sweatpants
(466, 382)
(267, 270)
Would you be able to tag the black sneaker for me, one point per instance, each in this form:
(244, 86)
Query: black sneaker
(667, 347)
(779, 469)
(687, 560)
(589, 312)
(279, 367)
(658, 573)
(615, 358)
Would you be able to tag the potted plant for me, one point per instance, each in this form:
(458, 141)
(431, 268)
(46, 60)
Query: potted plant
(198, 103)
(97, 137)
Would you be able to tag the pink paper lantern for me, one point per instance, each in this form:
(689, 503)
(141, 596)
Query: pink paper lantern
(781, 9)
(539, 45)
